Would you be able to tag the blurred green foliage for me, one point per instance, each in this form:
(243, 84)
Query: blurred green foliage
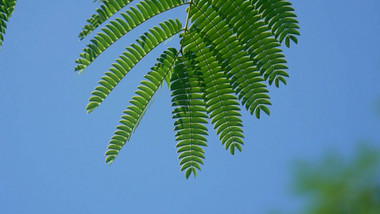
(340, 186)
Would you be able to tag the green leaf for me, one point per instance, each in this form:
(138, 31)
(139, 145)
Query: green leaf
(139, 103)
(6, 11)
(119, 27)
(128, 60)
(279, 16)
(218, 93)
(239, 68)
(189, 112)
(253, 33)
(228, 52)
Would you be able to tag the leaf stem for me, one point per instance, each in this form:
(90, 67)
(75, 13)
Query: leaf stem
(188, 15)
(186, 24)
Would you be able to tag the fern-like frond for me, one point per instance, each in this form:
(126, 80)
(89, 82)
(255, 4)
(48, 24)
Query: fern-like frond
(229, 52)
(130, 58)
(106, 10)
(254, 33)
(6, 10)
(119, 27)
(139, 103)
(221, 104)
(239, 68)
(278, 14)
(190, 114)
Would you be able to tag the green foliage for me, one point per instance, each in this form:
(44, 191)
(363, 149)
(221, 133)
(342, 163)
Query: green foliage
(342, 187)
(139, 103)
(230, 51)
(279, 16)
(190, 113)
(6, 9)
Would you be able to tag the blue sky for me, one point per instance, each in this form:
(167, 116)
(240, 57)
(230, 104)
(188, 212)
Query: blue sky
(52, 150)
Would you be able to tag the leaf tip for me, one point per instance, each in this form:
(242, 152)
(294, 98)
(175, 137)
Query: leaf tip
(190, 171)
(91, 107)
(110, 159)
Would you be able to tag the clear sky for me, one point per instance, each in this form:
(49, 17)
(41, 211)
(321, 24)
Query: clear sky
(52, 151)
